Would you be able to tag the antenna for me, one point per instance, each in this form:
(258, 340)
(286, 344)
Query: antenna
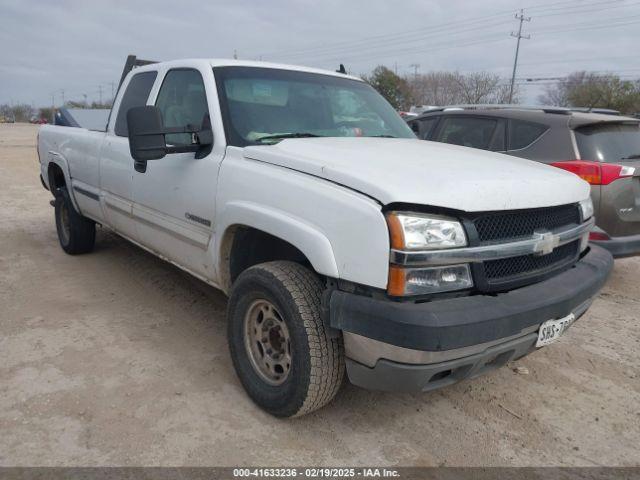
(341, 69)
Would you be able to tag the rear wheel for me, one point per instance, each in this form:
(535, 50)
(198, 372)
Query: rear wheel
(76, 233)
(280, 349)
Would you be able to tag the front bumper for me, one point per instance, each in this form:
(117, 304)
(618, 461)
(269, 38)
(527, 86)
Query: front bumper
(420, 346)
(620, 247)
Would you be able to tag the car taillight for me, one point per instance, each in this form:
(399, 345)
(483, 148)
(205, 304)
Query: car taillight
(596, 173)
(599, 236)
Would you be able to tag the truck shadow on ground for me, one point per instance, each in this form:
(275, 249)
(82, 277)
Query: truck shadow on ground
(198, 311)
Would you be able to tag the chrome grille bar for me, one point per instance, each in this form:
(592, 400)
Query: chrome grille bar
(540, 243)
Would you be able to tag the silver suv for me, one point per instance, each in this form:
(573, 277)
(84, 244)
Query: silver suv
(603, 149)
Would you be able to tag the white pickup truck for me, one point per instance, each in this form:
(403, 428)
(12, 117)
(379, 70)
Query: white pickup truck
(341, 240)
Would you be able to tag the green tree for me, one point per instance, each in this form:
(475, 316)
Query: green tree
(590, 90)
(392, 87)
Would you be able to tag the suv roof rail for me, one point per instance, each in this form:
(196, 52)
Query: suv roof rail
(131, 63)
(499, 106)
(605, 111)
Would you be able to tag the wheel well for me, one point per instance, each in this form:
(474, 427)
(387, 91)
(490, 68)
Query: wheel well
(56, 177)
(247, 246)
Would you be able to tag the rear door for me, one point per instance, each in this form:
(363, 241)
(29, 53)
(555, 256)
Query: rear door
(116, 162)
(616, 144)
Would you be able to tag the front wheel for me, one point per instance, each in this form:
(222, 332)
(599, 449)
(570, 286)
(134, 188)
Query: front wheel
(280, 349)
(77, 234)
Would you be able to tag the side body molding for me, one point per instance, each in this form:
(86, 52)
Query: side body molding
(301, 234)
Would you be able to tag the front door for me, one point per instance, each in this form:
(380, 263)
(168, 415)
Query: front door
(174, 200)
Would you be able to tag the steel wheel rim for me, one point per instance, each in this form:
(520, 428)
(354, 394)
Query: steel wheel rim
(267, 342)
(65, 224)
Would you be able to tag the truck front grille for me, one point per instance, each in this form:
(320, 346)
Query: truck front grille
(530, 264)
(500, 226)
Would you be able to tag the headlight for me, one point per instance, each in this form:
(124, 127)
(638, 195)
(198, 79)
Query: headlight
(421, 281)
(586, 207)
(416, 231)
(413, 231)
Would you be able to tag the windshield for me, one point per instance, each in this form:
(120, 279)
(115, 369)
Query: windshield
(609, 142)
(264, 105)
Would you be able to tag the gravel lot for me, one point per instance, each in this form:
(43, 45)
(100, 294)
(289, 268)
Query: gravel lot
(117, 358)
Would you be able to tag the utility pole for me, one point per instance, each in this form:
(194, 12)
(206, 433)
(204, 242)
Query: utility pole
(112, 91)
(415, 67)
(522, 19)
(62, 92)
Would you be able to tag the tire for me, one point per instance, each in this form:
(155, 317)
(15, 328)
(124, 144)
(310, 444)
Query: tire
(77, 234)
(316, 360)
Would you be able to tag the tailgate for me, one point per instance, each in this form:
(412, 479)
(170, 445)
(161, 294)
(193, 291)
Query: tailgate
(616, 145)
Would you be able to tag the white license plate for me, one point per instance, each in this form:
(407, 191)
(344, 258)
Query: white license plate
(551, 330)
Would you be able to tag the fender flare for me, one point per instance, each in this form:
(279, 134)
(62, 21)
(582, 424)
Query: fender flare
(60, 161)
(301, 234)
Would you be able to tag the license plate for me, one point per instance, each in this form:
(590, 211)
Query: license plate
(551, 330)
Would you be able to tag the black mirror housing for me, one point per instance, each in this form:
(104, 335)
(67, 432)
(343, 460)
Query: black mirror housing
(146, 134)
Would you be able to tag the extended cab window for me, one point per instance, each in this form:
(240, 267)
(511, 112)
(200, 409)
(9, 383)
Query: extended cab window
(135, 95)
(468, 131)
(522, 134)
(182, 101)
(263, 105)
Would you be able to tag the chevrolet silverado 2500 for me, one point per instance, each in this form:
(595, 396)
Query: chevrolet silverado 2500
(343, 242)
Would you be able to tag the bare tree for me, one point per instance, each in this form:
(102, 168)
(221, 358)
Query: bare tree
(482, 87)
(18, 113)
(434, 88)
(450, 88)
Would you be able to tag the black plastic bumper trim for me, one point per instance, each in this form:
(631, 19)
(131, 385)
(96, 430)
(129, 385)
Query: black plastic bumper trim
(87, 193)
(460, 322)
(621, 247)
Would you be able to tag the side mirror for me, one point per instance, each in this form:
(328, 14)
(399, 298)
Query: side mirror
(147, 136)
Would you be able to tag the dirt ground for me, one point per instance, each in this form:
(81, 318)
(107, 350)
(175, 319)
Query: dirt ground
(117, 358)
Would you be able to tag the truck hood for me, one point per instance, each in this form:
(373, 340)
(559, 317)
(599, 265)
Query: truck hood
(426, 173)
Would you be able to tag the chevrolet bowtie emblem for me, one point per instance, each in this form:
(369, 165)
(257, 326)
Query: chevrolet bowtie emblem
(546, 242)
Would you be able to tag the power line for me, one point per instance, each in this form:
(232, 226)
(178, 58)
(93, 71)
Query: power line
(403, 51)
(369, 43)
(519, 36)
(429, 30)
(578, 8)
(401, 41)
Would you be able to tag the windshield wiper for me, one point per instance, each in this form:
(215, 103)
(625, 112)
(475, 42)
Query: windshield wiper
(280, 136)
(382, 136)
(635, 156)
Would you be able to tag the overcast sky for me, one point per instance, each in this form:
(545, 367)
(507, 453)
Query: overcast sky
(80, 46)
